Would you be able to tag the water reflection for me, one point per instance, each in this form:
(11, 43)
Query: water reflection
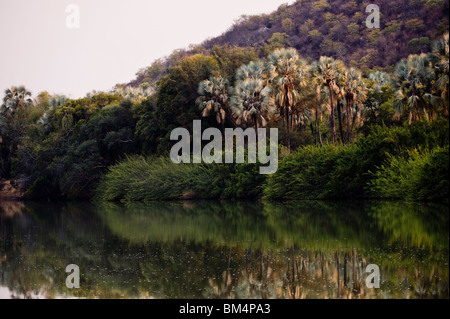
(224, 250)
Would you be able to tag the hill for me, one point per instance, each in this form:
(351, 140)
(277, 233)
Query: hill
(330, 28)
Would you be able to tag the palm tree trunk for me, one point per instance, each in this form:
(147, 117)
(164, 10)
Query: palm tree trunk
(448, 99)
(333, 125)
(288, 142)
(318, 127)
(416, 110)
(354, 117)
(349, 130)
(255, 120)
(340, 121)
(230, 117)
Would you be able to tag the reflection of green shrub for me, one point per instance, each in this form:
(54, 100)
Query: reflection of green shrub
(418, 176)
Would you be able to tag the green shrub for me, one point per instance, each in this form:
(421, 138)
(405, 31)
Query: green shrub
(312, 173)
(344, 172)
(421, 175)
(141, 179)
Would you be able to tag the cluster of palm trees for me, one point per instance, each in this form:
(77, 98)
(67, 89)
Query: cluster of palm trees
(421, 83)
(285, 87)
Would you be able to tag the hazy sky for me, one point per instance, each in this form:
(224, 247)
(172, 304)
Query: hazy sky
(115, 39)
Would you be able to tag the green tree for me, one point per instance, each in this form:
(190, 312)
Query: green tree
(176, 97)
(277, 41)
(287, 24)
(13, 122)
(230, 59)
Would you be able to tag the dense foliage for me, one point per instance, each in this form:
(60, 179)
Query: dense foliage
(346, 131)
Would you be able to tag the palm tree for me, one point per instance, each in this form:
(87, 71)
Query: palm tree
(16, 98)
(57, 100)
(340, 92)
(354, 91)
(214, 96)
(324, 73)
(410, 80)
(380, 79)
(360, 98)
(316, 105)
(440, 60)
(253, 70)
(135, 94)
(320, 109)
(286, 74)
(251, 102)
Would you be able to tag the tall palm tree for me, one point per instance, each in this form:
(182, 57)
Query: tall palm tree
(285, 74)
(214, 97)
(324, 74)
(410, 80)
(440, 61)
(354, 91)
(15, 98)
(360, 98)
(251, 102)
(57, 100)
(340, 92)
(317, 105)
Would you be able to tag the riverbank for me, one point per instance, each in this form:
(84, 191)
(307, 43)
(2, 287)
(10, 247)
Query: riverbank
(398, 163)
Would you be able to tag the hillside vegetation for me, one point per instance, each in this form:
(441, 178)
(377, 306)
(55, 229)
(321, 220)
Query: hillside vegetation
(329, 28)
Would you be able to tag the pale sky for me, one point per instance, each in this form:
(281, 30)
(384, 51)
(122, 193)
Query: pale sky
(115, 39)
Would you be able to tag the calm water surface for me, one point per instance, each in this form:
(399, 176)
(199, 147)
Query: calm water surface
(224, 250)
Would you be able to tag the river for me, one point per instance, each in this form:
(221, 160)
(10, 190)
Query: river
(225, 250)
